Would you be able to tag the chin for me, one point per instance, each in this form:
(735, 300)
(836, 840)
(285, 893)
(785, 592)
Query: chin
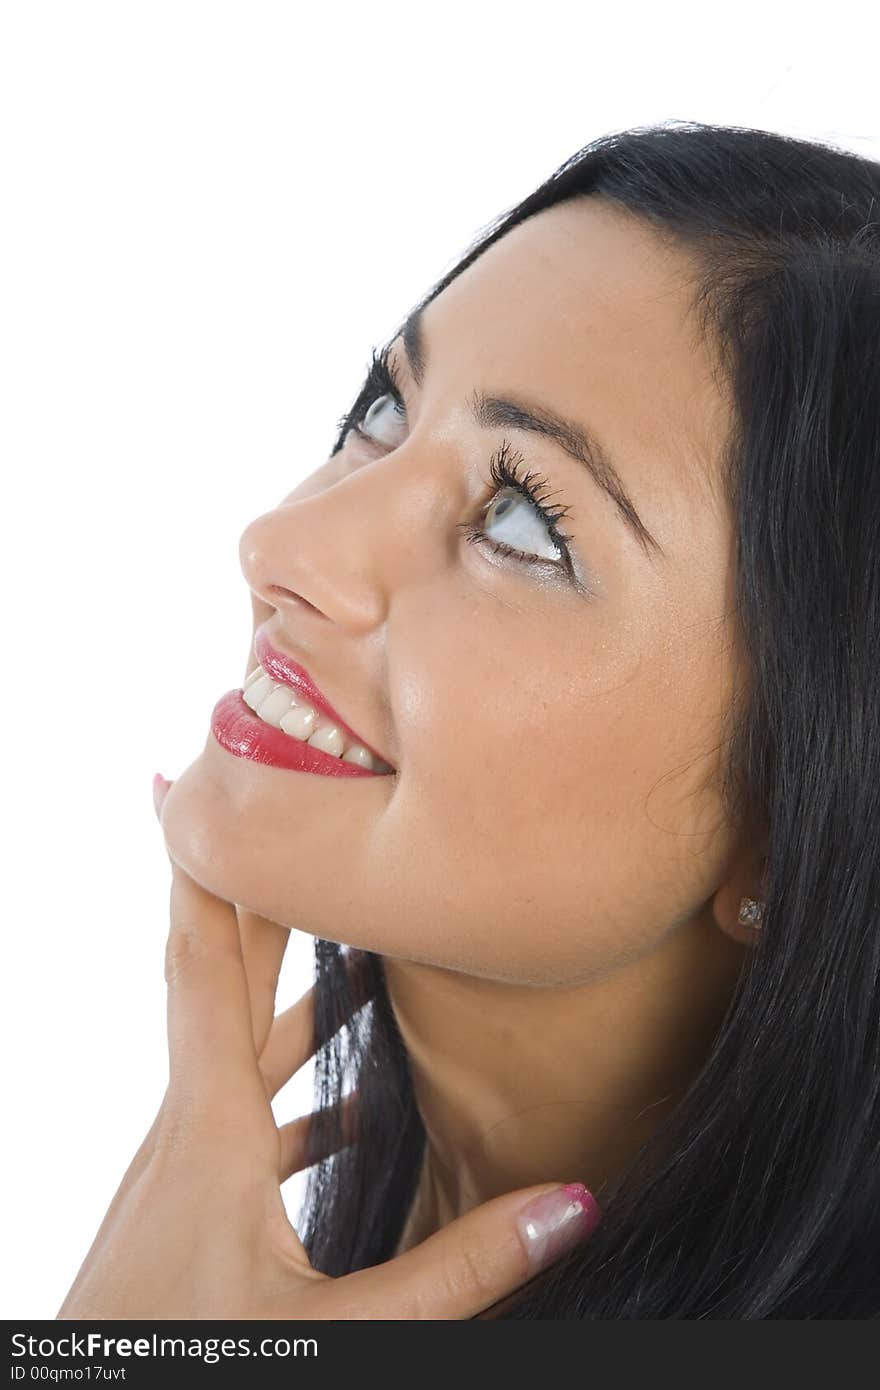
(206, 834)
(198, 830)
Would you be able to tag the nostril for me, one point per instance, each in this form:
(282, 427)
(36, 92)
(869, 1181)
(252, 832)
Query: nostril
(290, 594)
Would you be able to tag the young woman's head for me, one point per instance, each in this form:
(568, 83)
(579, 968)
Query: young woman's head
(594, 565)
(555, 723)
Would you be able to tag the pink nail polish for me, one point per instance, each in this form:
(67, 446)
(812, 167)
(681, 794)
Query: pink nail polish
(557, 1221)
(160, 789)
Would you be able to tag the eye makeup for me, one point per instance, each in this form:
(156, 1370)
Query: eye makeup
(504, 468)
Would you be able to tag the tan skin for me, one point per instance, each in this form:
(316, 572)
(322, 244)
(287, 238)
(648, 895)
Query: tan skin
(197, 1228)
(549, 874)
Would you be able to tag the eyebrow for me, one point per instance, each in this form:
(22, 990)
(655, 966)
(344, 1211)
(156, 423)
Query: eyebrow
(579, 443)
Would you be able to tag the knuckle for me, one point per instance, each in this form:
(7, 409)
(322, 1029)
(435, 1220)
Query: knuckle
(181, 949)
(468, 1274)
(193, 953)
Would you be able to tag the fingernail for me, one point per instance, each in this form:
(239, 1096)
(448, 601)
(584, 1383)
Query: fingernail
(556, 1222)
(160, 791)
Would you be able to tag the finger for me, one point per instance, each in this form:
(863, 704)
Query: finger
(309, 1138)
(475, 1261)
(263, 943)
(210, 1035)
(291, 1042)
(292, 1038)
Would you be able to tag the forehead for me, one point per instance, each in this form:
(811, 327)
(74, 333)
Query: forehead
(585, 308)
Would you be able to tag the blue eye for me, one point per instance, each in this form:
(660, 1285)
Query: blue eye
(503, 468)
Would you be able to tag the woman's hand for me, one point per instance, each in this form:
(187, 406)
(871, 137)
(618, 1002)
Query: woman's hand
(198, 1229)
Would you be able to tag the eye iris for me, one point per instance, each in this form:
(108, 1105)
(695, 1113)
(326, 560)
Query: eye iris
(521, 514)
(500, 508)
(375, 408)
(374, 427)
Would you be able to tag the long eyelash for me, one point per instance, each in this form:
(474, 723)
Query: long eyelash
(503, 470)
(381, 380)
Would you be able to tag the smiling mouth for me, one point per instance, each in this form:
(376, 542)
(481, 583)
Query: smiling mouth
(286, 709)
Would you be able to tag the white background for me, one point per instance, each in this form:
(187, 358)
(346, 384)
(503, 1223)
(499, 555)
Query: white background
(210, 213)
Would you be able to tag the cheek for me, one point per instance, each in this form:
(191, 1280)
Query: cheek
(549, 825)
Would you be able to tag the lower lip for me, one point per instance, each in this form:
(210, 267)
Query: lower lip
(239, 731)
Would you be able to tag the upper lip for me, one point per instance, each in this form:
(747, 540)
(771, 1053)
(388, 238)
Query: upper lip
(284, 669)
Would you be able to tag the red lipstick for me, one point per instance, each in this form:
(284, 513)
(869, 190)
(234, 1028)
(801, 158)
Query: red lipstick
(284, 669)
(237, 729)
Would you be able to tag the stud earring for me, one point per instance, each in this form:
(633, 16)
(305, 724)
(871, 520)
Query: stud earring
(751, 913)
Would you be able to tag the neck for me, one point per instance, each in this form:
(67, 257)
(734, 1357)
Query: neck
(519, 1085)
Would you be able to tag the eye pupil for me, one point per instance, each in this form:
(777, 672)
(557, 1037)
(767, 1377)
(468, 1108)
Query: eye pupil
(504, 505)
(508, 504)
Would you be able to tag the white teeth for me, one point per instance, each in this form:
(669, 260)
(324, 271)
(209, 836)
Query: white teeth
(279, 706)
(328, 738)
(257, 691)
(299, 721)
(357, 753)
(275, 705)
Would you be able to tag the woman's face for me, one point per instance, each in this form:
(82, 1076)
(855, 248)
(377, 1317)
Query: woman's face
(554, 810)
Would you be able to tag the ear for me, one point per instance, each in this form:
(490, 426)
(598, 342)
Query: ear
(746, 879)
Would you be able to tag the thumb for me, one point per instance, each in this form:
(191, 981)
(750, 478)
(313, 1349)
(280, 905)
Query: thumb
(491, 1251)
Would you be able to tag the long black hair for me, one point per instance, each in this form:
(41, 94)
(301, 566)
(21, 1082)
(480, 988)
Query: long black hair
(759, 1195)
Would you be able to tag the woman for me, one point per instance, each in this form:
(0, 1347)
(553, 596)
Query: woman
(592, 577)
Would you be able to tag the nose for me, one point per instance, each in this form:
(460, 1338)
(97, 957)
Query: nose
(339, 546)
